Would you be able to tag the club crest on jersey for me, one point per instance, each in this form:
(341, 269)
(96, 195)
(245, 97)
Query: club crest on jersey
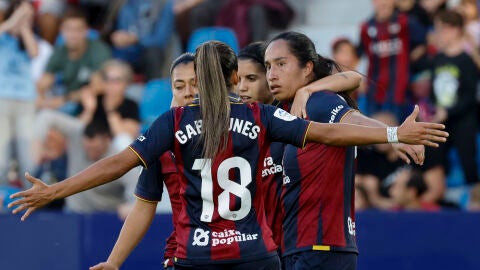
(285, 116)
(141, 138)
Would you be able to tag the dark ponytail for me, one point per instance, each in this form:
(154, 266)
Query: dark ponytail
(214, 63)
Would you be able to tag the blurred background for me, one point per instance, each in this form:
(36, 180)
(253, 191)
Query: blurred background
(81, 79)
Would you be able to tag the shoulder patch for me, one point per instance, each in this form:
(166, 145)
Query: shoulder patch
(281, 114)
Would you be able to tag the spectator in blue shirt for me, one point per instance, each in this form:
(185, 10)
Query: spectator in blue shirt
(144, 28)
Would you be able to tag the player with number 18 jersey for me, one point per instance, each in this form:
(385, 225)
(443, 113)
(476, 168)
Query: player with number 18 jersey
(222, 219)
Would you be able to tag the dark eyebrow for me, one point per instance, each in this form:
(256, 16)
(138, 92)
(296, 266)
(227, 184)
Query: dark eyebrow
(277, 59)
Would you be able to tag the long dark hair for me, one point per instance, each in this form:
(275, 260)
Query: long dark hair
(255, 52)
(215, 62)
(304, 50)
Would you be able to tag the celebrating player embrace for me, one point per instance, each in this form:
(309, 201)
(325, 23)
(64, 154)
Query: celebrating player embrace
(222, 222)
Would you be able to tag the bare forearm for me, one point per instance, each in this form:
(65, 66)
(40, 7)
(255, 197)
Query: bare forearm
(133, 230)
(356, 118)
(338, 82)
(101, 172)
(30, 42)
(345, 134)
(45, 83)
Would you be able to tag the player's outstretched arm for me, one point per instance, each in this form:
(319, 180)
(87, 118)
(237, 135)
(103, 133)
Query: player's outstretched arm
(410, 132)
(404, 151)
(101, 172)
(133, 230)
(338, 82)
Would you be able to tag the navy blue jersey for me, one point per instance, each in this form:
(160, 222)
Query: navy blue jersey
(222, 217)
(318, 187)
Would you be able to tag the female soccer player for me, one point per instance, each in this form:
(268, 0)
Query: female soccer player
(253, 87)
(317, 196)
(149, 187)
(252, 81)
(219, 145)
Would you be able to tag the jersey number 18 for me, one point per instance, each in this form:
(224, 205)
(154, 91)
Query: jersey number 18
(228, 186)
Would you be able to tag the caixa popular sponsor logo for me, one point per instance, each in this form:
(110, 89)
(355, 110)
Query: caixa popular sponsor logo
(226, 237)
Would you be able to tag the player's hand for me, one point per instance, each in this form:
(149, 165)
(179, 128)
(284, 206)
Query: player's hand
(104, 266)
(299, 106)
(37, 196)
(415, 152)
(413, 132)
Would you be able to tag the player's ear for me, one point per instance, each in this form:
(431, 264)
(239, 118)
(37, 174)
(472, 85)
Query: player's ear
(234, 78)
(308, 69)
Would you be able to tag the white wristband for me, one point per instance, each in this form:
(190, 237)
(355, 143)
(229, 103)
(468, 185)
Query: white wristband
(392, 135)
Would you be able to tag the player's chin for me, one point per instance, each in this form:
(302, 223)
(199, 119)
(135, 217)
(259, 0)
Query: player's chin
(278, 95)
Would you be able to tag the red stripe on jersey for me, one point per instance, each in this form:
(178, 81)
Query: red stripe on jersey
(218, 252)
(402, 61)
(182, 238)
(321, 196)
(384, 64)
(259, 199)
(273, 206)
(172, 180)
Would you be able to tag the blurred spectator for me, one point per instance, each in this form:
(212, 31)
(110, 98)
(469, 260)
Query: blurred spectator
(253, 19)
(387, 39)
(144, 28)
(454, 85)
(432, 7)
(193, 14)
(414, 9)
(49, 14)
(87, 144)
(53, 164)
(345, 54)
(469, 11)
(97, 11)
(17, 92)
(39, 62)
(361, 199)
(72, 64)
(407, 190)
(105, 96)
(3, 8)
(377, 166)
(474, 200)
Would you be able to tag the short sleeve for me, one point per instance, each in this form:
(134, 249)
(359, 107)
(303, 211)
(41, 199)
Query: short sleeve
(150, 183)
(100, 53)
(54, 64)
(327, 107)
(283, 127)
(157, 139)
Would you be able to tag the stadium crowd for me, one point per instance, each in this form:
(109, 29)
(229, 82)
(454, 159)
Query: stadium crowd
(70, 73)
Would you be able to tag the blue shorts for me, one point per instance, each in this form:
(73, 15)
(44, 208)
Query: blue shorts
(320, 260)
(269, 263)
